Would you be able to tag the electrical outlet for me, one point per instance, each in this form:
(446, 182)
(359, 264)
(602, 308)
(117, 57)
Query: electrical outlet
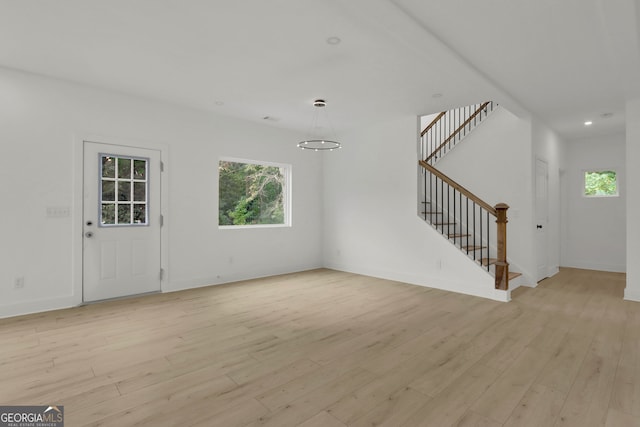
(18, 283)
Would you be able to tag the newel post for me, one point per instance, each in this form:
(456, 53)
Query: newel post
(502, 266)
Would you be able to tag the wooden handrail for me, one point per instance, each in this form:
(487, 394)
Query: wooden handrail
(457, 131)
(433, 122)
(486, 206)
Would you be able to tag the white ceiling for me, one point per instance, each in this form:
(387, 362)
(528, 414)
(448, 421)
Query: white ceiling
(564, 60)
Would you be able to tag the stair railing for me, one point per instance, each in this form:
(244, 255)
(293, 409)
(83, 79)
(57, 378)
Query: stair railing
(464, 218)
(449, 127)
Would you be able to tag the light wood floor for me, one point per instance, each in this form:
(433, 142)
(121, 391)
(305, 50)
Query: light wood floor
(328, 349)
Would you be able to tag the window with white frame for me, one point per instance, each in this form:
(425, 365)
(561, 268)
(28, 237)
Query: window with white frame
(600, 183)
(253, 193)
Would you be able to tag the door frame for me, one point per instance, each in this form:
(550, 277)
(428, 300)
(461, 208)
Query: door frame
(78, 205)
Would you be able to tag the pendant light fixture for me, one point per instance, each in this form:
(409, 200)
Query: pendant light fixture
(318, 139)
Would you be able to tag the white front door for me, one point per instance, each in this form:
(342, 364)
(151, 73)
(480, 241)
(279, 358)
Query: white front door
(542, 215)
(121, 221)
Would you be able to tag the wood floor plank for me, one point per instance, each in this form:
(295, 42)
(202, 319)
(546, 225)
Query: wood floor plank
(394, 410)
(503, 396)
(447, 407)
(539, 407)
(626, 390)
(153, 402)
(323, 419)
(284, 394)
(309, 404)
(621, 419)
(588, 400)
(471, 419)
(561, 370)
(370, 396)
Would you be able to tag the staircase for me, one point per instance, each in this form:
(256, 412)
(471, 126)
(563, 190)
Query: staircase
(473, 225)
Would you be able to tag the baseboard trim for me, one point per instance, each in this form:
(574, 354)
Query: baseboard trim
(484, 289)
(630, 295)
(612, 268)
(38, 306)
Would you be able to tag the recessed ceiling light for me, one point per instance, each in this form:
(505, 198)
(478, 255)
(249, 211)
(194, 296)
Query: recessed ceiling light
(606, 115)
(588, 123)
(219, 103)
(436, 95)
(333, 40)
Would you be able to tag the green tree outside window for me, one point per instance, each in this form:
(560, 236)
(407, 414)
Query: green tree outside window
(250, 194)
(600, 183)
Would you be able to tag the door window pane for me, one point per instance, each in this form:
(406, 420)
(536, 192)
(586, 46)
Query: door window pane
(140, 169)
(108, 191)
(108, 167)
(139, 214)
(124, 214)
(123, 180)
(108, 213)
(140, 191)
(124, 168)
(124, 191)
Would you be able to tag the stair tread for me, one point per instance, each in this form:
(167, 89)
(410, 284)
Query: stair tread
(488, 261)
(473, 248)
(444, 223)
(514, 274)
(432, 212)
(456, 235)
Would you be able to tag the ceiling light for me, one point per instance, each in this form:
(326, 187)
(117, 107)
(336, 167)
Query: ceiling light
(333, 40)
(317, 142)
(219, 103)
(588, 123)
(436, 95)
(606, 115)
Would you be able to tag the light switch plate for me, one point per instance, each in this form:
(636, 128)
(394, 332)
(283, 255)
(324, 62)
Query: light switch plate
(58, 211)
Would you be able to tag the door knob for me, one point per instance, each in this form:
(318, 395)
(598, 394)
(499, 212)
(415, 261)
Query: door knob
(538, 226)
(88, 234)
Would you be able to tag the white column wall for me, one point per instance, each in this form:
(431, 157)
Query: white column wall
(632, 291)
(548, 146)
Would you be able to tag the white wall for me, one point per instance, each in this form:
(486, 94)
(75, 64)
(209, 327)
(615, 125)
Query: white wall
(494, 163)
(594, 234)
(632, 291)
(371, 226)
(40, 123)
(548, 146)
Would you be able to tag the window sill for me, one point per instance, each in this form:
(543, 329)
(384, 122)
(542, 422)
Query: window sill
(252, 226)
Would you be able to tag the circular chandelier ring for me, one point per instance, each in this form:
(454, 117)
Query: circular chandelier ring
(319, 144)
